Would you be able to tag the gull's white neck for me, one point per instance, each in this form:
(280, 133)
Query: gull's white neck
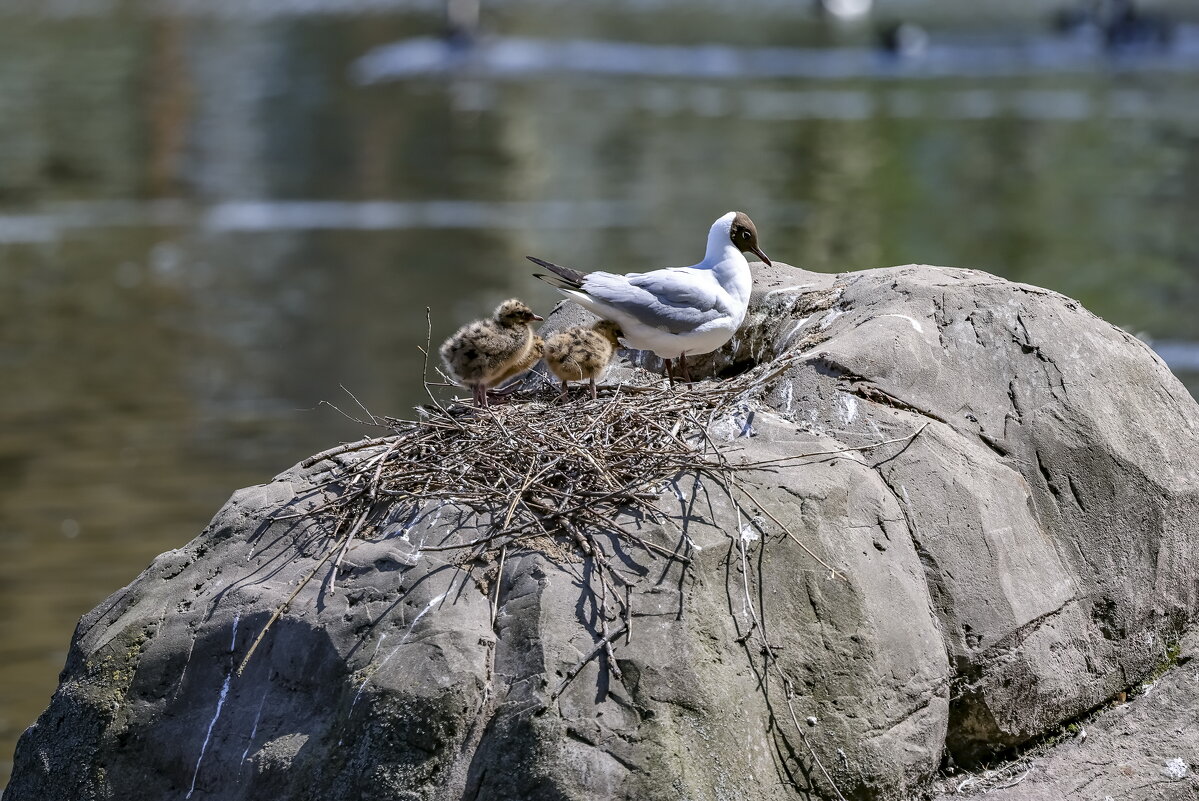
(728, 264)
(721, 254)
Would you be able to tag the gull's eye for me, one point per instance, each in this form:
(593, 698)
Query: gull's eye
(745, 234)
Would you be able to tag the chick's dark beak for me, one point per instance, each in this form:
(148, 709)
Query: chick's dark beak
(758, 252)
(538, 317)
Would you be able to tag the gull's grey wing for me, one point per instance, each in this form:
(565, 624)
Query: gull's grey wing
(677, 300)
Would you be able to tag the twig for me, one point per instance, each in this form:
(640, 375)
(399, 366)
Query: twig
(337, 450)
(477, 541)
(755, 621)
(374, 421)
(425, 366)
(517, 495)
(856, 448)
(346, 414)
(804, 738)
(574, 671)
(732, 482)
(279, 610)
(341, 551)
(628, 614)
(1014, 782)
(374, 485)
(600, 570)
(783, 526)
(499, 577)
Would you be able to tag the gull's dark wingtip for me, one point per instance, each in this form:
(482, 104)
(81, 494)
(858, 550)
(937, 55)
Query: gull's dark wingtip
(573, 278)
(554, 281)
(549, 265)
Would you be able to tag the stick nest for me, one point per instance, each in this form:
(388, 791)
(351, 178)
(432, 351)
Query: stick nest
(553, 476)
(540, 470)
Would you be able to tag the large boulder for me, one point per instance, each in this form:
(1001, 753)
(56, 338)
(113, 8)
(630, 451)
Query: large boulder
(981, 521)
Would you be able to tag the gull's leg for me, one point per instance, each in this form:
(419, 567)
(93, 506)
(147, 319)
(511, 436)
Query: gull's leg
(683, 368)
(669, 372)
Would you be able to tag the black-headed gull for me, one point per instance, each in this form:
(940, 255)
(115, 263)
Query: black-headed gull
(582, 353)
(484, 353)
(678, 310)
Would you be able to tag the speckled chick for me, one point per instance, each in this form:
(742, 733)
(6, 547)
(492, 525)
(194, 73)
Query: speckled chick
(581, 352)
(483, 353)
(536, 352)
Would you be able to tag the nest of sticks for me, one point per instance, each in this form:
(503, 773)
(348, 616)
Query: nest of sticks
(539, 469)
(544, 473)
(549, 476)
(553, 477)
(536, 467)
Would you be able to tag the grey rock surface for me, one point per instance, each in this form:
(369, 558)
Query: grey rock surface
(1144, 750)
(1021, 548)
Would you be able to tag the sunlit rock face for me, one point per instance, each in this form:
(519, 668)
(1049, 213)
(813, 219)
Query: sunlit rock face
(997, 533)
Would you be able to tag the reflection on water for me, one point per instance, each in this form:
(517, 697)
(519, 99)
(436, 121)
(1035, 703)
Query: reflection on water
(517, 57)
(1183, 357)
(63, 220)
(208, 227)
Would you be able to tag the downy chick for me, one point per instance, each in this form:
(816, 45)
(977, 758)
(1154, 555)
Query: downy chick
(483, 353)
(582, 352)
(536, 352)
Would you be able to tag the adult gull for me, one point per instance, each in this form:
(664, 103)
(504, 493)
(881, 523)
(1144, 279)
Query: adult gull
(677, 310)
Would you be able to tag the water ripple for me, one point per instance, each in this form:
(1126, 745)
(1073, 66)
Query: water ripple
(310, 215)
(520, 57)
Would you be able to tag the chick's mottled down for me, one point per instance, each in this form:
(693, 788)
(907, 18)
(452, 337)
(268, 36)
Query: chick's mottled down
(582, 353)
(536, 351)
(484, 353)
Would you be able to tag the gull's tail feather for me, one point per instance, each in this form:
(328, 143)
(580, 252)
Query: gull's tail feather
(566, 277)
(555, 281)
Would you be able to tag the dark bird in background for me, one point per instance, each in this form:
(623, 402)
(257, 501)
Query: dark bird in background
(461, 22)
(1118, 24)
(903, 39)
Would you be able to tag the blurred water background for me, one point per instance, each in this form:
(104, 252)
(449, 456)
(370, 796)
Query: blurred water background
(214, 215)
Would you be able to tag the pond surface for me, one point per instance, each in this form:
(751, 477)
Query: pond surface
(220, 226)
